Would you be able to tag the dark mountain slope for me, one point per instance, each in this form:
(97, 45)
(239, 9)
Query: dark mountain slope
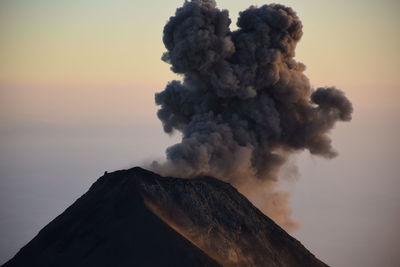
(114, 224)
(109, 226)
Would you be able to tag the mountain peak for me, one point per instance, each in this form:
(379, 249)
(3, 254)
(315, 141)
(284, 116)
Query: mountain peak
(137, 218)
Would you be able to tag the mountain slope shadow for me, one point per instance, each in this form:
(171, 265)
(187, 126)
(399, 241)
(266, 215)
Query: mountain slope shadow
(109, 226)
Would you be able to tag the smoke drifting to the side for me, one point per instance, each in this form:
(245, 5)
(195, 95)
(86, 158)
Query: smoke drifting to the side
(244, 103)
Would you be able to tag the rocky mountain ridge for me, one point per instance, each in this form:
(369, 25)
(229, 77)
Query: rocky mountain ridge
(137, 218)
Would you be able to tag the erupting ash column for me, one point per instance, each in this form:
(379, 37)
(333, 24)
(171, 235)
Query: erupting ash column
(244, 102)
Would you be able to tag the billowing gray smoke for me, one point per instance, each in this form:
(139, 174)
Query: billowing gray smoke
(244, 102)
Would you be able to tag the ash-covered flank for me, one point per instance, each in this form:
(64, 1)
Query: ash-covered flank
(110, 226)
(138, 218)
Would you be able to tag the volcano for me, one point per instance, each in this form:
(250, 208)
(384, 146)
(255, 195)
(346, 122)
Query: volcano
(137, 218)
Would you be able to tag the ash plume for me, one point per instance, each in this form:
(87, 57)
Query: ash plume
(244, 103)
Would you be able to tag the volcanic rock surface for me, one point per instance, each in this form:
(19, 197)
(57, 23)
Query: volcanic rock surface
(138, 218)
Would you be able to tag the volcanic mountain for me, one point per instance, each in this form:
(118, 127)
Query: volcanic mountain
(138, 218)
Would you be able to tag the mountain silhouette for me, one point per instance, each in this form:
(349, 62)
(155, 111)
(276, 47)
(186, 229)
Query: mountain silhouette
(137, 218)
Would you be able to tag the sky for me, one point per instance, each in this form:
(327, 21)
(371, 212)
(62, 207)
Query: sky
(77, 85)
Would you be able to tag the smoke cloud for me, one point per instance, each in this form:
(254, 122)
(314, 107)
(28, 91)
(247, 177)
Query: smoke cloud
(244, 104)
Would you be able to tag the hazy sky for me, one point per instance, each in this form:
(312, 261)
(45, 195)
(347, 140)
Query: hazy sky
(77, 84)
